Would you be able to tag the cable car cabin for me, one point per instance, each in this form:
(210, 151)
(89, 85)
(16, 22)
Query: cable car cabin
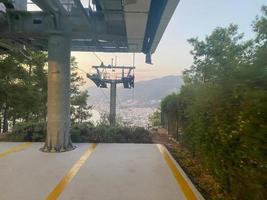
(128, 82)
(113, 74)
(97, 80)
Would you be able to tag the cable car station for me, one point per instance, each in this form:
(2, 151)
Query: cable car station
(91, 171)
(73, 25)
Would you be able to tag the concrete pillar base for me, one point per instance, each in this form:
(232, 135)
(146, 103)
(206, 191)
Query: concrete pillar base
(50, 149)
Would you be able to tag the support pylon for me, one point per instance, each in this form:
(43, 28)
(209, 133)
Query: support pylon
(102, 78)
(112, 115)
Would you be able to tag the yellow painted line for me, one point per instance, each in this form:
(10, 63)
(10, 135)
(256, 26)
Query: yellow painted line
(15, 149)
(71, 174)
(189, 194)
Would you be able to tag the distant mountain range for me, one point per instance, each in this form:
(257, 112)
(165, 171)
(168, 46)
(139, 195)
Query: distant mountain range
(145, 93)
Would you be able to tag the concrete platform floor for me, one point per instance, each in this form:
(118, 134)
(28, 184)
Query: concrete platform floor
(100, 172)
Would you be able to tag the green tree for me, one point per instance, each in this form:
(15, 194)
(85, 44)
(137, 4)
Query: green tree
(22, 87)
(154, 118)
(170, 116)
(222, 111)
(216, 58)
(80, 110)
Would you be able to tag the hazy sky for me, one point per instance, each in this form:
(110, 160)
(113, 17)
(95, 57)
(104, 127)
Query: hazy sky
(192, 18)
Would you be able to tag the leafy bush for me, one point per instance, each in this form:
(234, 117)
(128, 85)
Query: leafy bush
(85, 132)
(221, 110)
(28, 131)
(80, 132)
(104, 133)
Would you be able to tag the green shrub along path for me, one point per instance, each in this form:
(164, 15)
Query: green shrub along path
(220, 114)
(80, 133)
(193, 166)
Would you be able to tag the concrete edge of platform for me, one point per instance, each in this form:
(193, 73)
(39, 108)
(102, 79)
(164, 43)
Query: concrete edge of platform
(188, 180)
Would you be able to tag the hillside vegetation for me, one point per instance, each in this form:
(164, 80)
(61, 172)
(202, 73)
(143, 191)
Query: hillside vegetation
(220, 114)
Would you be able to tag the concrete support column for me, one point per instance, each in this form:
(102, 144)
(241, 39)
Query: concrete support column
(58, 104)
(112, 116)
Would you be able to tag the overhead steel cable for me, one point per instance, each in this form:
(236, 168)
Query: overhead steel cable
(98, 57)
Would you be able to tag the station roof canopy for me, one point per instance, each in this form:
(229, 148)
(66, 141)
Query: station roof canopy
(94, 25)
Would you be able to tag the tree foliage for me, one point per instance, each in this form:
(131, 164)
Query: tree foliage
(221, 111)
(155, 118)
(23, 89)
(80, 110)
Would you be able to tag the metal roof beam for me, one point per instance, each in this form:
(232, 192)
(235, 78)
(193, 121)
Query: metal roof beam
(83, 12)
(39, 24)
(50, 6)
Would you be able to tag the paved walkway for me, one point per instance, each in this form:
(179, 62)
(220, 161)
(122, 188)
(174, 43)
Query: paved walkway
(92, 171)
